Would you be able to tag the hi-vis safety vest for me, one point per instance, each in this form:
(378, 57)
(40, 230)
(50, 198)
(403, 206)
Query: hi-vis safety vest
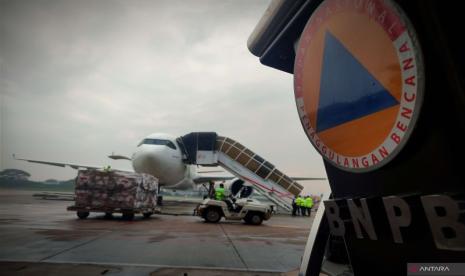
(219, 193)
(299, 201)
(309, 202)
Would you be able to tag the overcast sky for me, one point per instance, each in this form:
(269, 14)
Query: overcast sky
(82, 79)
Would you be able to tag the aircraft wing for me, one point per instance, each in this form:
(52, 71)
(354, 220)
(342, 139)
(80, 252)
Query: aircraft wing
(205, 179)
(58, 164)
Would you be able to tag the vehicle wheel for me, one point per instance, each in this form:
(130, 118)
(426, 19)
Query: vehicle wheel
(128, 216)
(212, 215)
(254, 218)
(82, 215)
(147, 215)
(108, 216)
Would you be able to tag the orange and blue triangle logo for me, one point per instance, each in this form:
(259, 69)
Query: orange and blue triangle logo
(348, 91)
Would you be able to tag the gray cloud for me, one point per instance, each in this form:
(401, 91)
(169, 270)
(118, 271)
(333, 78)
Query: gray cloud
(80, 79)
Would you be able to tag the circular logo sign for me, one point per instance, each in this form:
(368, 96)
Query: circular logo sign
(358, 82)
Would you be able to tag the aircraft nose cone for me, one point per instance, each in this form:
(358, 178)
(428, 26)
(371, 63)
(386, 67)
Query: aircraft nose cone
(148, 160)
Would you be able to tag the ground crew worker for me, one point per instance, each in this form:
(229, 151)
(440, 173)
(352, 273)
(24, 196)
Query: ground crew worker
(300, 204)
(297, 204)
(222, 194)
(107, 168)
(219, 192)
(211, 189)
(308, 204)
(294, 206)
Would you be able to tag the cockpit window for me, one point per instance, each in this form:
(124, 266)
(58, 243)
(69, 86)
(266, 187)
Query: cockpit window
(149, 141)
(171, 145)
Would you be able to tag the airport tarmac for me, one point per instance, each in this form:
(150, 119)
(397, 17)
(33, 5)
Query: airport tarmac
(40, 236)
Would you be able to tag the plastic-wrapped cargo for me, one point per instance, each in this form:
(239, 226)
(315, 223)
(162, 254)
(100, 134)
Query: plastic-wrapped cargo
(115, 191)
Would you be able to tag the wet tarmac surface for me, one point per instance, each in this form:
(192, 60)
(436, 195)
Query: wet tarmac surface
(40, 235)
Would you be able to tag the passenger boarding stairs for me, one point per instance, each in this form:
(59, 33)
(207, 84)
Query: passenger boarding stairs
(209, 149)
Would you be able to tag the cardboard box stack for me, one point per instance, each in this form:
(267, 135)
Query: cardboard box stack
(115, 189)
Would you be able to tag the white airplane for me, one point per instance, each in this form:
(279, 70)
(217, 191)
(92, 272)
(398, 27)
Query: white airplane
(159, 155)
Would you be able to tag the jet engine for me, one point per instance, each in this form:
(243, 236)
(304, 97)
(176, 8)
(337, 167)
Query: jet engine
(240, 189)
